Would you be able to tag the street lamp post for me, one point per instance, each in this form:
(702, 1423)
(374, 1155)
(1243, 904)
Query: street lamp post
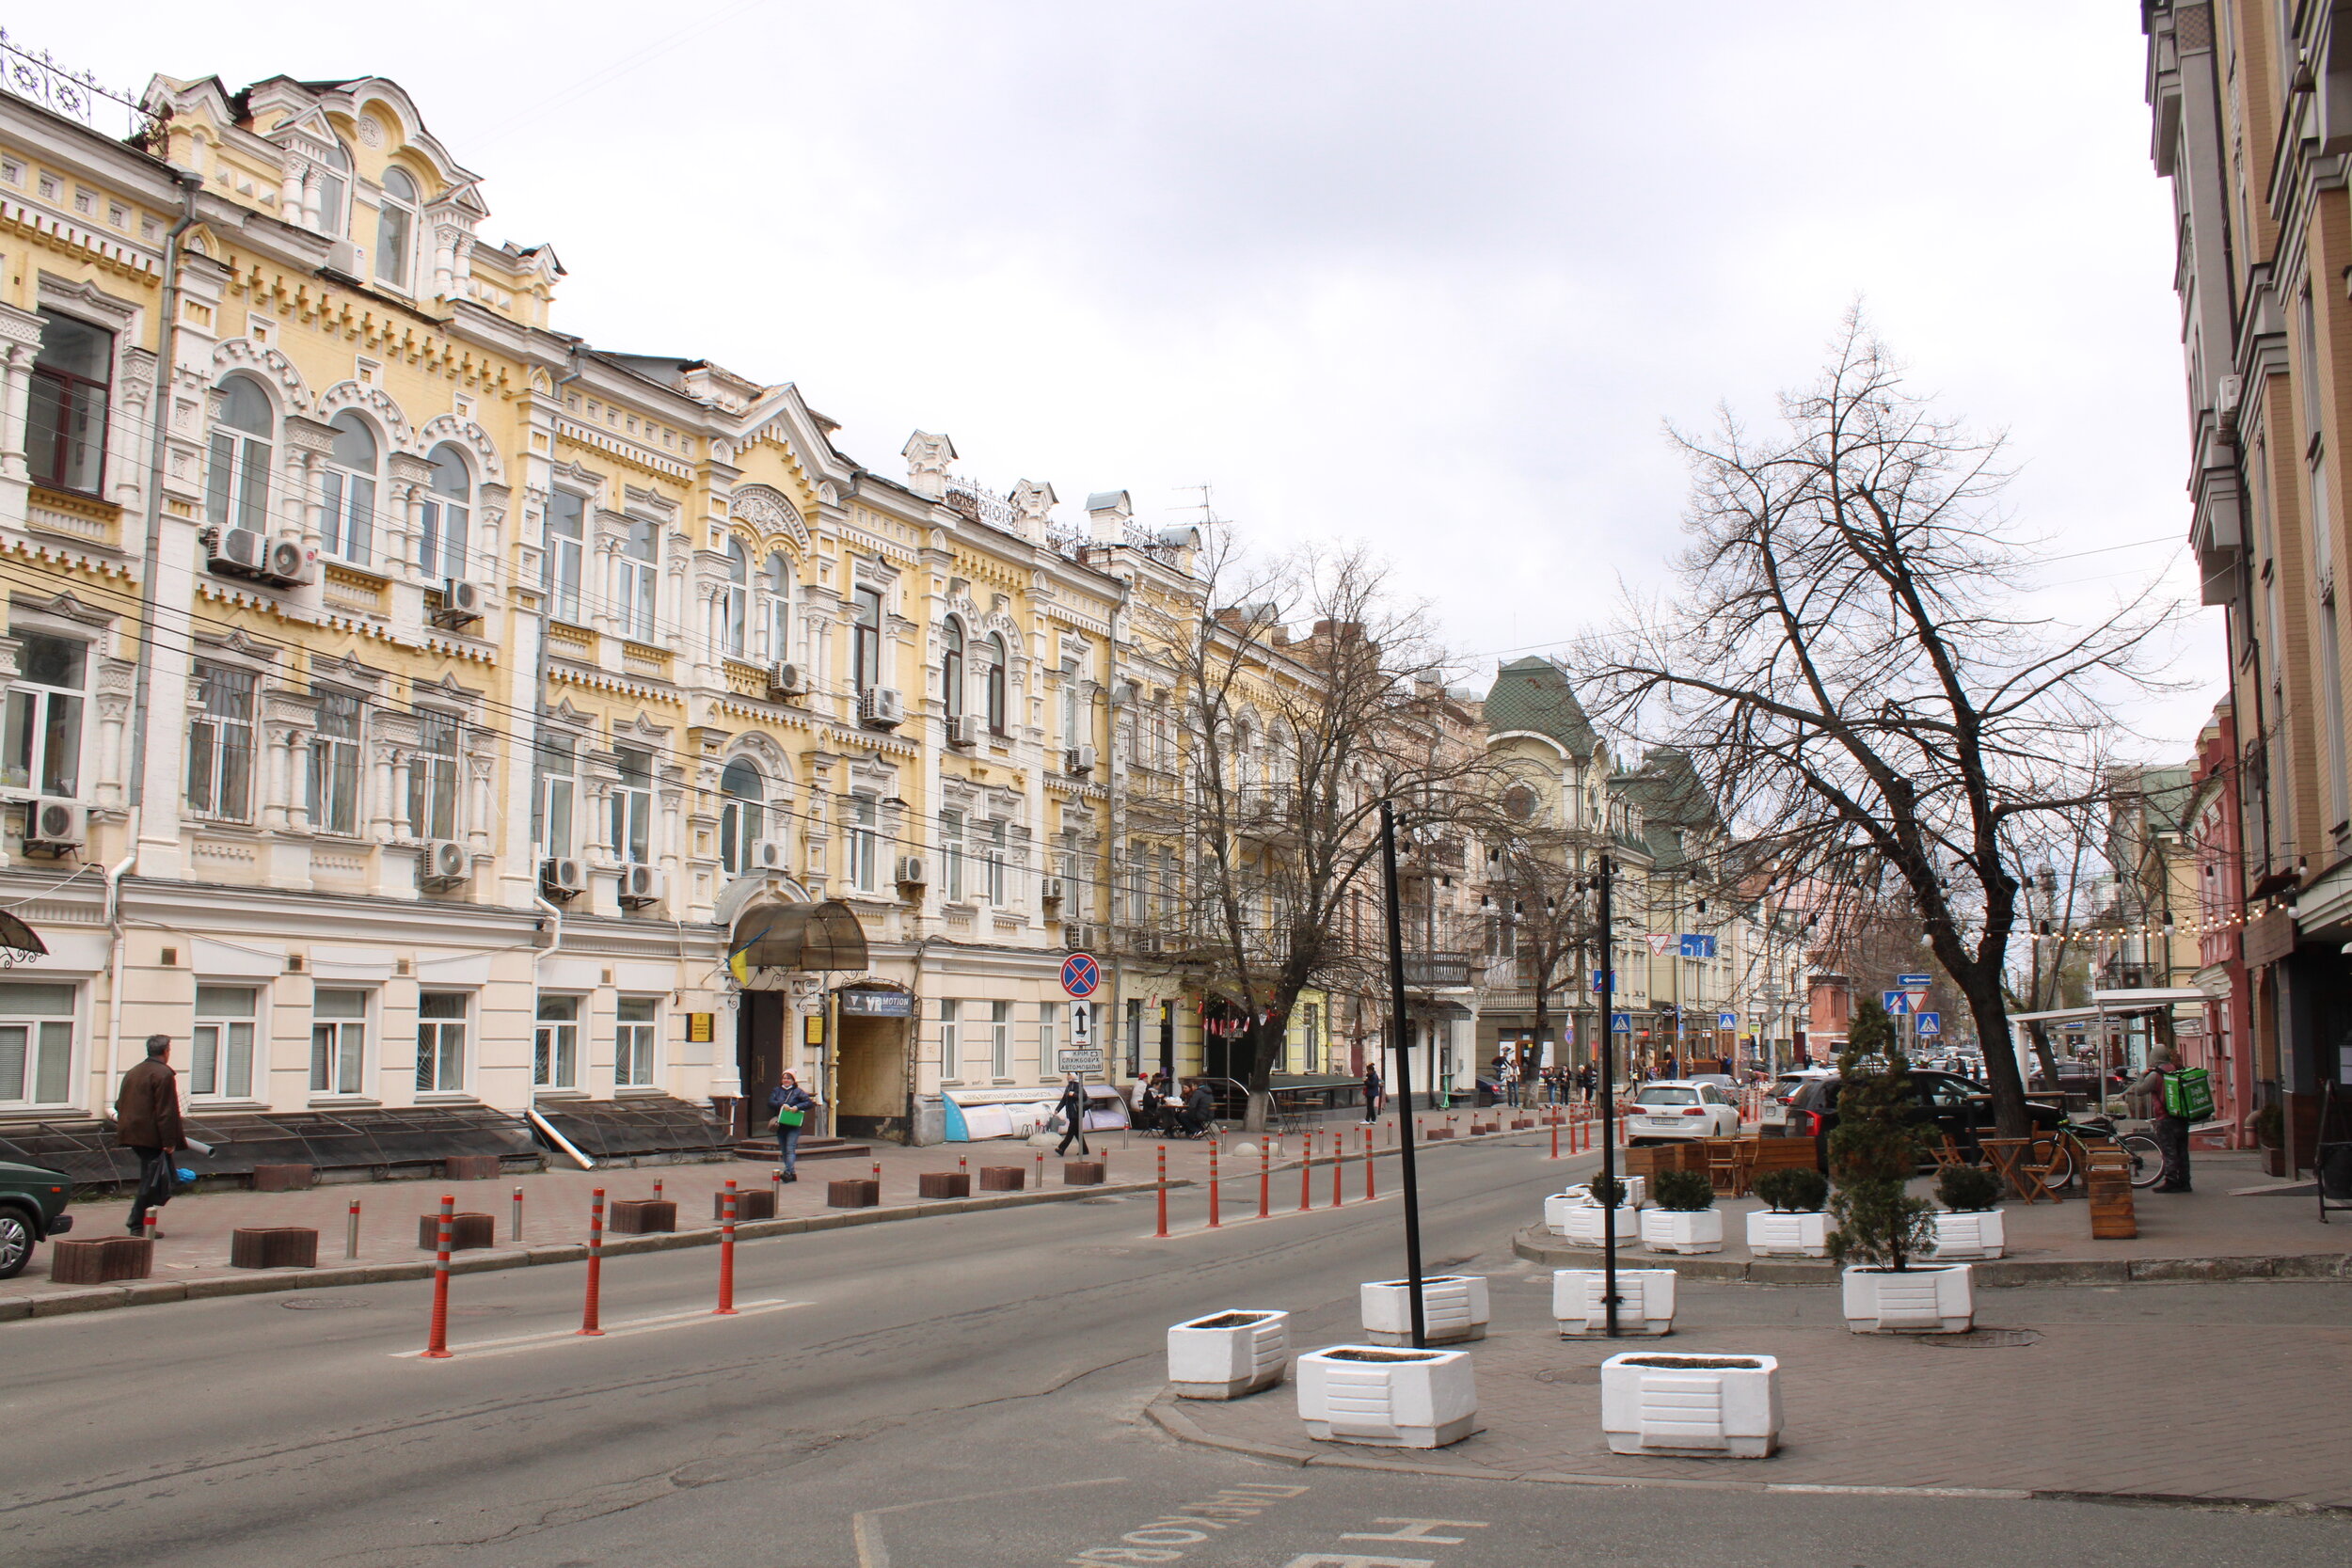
(1605, 880)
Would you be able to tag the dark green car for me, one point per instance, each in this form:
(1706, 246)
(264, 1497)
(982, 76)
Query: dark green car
(32, 1210)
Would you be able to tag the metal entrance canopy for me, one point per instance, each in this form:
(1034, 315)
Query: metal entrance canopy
(805, 937)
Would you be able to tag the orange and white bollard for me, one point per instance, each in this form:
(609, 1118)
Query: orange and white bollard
(1339, 1169)
(1369, 1193)
(1555, 1138)
(1161, 1234)
(351, 1232)
(1040, 1170)
(776, 1185)
(878, 1178)
(726, 1256)
(1306, 1173)
(518, 1216)
(657, 1192)
(1265, 1174)
(595, 1261)
(148, 1230)
(437, 1344)
(1212, 1221)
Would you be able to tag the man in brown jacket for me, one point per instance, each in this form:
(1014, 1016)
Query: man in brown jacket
(147, 1122)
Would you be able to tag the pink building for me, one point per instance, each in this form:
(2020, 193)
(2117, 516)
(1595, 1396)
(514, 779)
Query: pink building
(2211, 826)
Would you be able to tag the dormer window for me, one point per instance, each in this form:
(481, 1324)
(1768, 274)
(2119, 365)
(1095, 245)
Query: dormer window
(334, 190)
(395, 227)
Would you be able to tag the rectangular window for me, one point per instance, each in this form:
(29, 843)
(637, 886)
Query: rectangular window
(65, 420)
(338, 1041)
(551, 806)
(220, 744)
(36, 1042)
(441, 1041)
(949, 1023)
(634, 1038)
(335, 765)
(558, 569)
(866, 637)
(1069, 736)
(433, 777)
(236, 481)
(632, 808)
(951, 856)
(555, 1049)
(993, 853)
(1048, 1036)
(43, 744)
(1000, 1040)
(865, 844)
(220, 1049)
(641, 565)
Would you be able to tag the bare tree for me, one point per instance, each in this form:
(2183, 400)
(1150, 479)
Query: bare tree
(1846, 658)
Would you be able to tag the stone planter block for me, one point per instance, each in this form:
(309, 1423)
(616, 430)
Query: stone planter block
(281, 1178)
(1228, 1354)
(1581, 1225)
(1454, 1310)
(1771, 1235)
(1437, 1132)
(1979, 1233)
(755, 1203)
(1706, 1406)
(470, 1167)
(1398, 1399)
(1682, 1230)
(641, 1216)
(1646, 1302)
(100, 1260)
(942, 1183)
(1084, 1172)
(274, 1248)
(1003, 1178)
(858, 1192)
(465, 1231)
(1929, 1298)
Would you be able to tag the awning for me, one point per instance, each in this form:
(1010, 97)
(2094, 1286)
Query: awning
(804, 936)
(17, 939)
(2146, 999)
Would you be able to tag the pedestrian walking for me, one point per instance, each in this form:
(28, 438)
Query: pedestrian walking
(1586, 1079)
(791, 1105)
(2172, 1131)
(147, 1122)
(1374, 1093)
(1071, 1108)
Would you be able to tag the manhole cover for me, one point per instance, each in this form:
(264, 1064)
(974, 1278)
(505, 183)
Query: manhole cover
(321, 1303)
(1568, 1374)
(1989, 1338)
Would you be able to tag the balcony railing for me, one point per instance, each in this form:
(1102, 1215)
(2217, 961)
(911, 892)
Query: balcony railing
(31, 75)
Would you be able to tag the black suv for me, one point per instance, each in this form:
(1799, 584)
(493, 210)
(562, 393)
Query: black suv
(1955, 1106)
(32, 1210)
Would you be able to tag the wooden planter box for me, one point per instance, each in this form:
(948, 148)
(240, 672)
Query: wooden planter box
(470, 1167)
(274, 1248)
(642, 1217)
(281, 1178)
(465, 1231)
(100, 1260)
(1083, 1173)
(757, 1203)
(942, 1183)
(1784, 1154)
(2112, 1218)
(1658, 1159)
(1003, 1178)
(857, 1193)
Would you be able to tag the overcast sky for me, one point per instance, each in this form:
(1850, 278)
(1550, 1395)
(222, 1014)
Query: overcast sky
(1429, 274)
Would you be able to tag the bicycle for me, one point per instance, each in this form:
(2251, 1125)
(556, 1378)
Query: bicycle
(2070, 1156)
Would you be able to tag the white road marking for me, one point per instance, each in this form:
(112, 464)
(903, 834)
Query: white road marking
(623, 1330)
(866, 1529)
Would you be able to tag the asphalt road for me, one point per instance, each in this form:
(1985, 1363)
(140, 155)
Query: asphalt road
(953, 1393)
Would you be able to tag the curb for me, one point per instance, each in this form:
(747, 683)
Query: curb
(1537, 1246)
(1163, 1413)
(146, 1292)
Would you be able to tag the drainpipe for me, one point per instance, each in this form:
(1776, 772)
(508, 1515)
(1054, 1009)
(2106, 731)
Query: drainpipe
(530, 1106)
(168, 336)
(114, 874)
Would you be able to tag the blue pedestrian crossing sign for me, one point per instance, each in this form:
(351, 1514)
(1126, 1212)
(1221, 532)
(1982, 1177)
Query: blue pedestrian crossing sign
(1621, 1024)
(1726, 1021)
(1930, 1024)
(1895, 1002)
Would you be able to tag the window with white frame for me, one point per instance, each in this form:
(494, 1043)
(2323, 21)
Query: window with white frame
(776, 606)
(951, 856)
(433, 776)
(237, 480)
(220, 1047)
(633, 1034)
(735, 602)
(951, 676)
(220, 744)
(396, 227)
(552, 803)
(993, 854)
(1069, 736)
(334, 782)
(864, 845)
(334, 189)
(445, 516)
(1048, 1036)
(641, 570)
(555, 1046)
(950, 1022)
(65, 421)
(36, 1042)
(338, 1041)
(41, 751)
(866, 637)
(1000, 1040)
(993, 655)
(347, 489)
(559, 566)
(441, 1016)
(632, 807)
(740, 816)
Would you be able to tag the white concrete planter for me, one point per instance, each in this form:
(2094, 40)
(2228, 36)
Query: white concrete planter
(1401, 1399)
(1929, 1298)
(1227, 1354)
(1645, 1300)
(1702, 1406)
(1978, 1233)
(1683, 1229)
(1452, 1307)
(1582, 1226)
(1771, 1235)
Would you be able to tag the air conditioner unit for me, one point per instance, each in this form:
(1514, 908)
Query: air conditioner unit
(348, 259)
(912, 870)
(881, 707)
(240, 552)
(1050, 889)
(445, 863)
(641, 885)
(288, 563)
(462, 601)
(772, 854)
(964, 729)
(786, 680)
(563, 877)
(1079, 759)
(55, 824)
(1077, 938)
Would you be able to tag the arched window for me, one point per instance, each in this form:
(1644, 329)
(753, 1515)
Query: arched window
(396, 227)
(951, 667)
(994, 650)
(740, 817)
(349, 487)
(777, 612)
(734, 601)
(236, 487)
(447, 516)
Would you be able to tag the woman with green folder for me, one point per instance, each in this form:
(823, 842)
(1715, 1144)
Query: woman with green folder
(792, 1104)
